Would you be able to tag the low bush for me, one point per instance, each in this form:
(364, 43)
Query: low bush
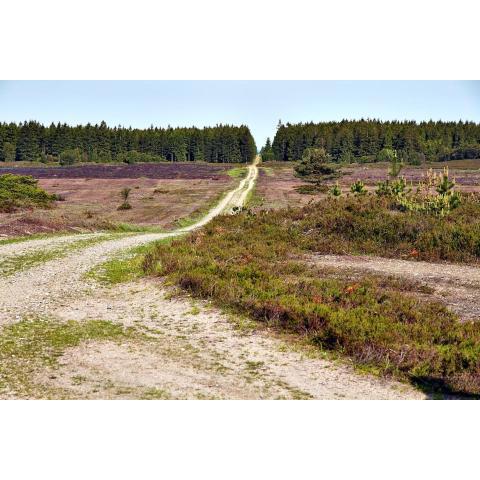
(358, 188)
(125, 193)
(18, 191)
(311, 189)
(375, 225)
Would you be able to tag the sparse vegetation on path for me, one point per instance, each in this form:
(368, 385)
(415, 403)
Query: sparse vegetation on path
(190, 350)
(11, 264)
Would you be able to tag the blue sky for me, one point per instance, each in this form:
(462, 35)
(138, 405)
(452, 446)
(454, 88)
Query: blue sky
(259, 104)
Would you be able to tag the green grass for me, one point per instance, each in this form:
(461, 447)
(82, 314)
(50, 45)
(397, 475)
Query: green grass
(253, 263)
(33, 344)
(194, 310)
(123, 227)
(200, 212)
(156, 394)
(125, 267)
(237, 172)
(14, 263)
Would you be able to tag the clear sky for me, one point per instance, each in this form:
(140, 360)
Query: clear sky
(259, 104)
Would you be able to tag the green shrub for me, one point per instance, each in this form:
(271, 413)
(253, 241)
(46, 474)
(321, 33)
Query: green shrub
(17, 191)
(314, 162)
(336, 191)
(396, 188)
(314, 168)
(70, 156)
(125, 193)
(358, 188)
(386, 155)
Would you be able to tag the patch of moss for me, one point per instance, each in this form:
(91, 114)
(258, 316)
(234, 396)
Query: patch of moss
(37, 343)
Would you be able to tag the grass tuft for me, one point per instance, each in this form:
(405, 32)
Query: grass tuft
(124, 267)
(237, 172)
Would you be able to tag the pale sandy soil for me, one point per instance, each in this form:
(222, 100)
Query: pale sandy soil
(197, 352)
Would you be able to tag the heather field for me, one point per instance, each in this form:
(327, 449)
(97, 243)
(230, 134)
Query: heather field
(171, 170)
(161, 196)
(465, 172)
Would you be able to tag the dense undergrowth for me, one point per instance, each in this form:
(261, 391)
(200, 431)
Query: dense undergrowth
(255, 264)
(18, 191)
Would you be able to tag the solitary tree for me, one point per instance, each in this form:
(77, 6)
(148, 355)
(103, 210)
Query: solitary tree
(125, 193)
(314, 163)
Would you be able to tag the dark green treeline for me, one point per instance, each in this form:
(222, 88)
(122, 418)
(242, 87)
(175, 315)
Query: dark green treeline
(32, 141)
(362, 140)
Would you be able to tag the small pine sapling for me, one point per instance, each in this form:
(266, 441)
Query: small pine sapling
(125, 193)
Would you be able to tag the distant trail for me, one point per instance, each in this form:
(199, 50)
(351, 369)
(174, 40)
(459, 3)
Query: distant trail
(36, 290)
(234, 198)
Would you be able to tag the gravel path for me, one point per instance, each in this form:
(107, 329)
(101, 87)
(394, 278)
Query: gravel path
(39, 289)
(27, 246)
(193, 352)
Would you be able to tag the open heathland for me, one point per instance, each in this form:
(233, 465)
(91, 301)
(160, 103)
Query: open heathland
(161, 195)
(278, 186)
(164, 171)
